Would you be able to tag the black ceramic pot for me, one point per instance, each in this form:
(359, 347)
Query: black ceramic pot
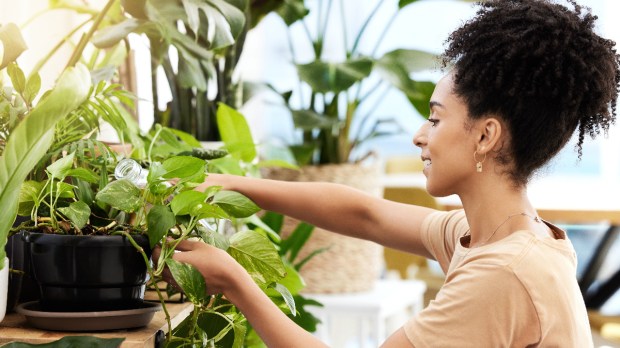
(22, 286)
(88, 273)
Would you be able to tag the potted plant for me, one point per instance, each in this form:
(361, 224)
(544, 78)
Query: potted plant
(31, 138)
(197, 46)
(334, 109)
(67, 189)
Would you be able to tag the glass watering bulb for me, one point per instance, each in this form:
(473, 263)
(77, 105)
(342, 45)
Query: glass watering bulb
(131, 170)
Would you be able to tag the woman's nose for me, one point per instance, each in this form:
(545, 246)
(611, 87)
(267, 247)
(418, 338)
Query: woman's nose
(419, 139)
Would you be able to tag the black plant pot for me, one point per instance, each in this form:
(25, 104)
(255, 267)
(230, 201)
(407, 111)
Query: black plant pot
(88, 273)
(22, 286)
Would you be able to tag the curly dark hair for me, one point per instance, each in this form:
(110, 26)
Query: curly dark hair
(540, 67)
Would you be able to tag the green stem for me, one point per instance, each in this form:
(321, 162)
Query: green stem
(364, 26)
(343, 21)
(152, 274)
(55, 49)
(86, 38)
(384, 33)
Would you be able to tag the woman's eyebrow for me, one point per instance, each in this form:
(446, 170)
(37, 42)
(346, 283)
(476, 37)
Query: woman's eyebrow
(435, 103)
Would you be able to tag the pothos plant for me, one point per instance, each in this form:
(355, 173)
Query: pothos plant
(79, 195)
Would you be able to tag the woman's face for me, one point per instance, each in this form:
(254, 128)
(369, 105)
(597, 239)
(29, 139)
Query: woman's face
(446, 142)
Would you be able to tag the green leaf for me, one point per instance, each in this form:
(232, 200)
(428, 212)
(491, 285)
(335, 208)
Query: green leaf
(403, 3)
(235, 133)
(186, 201)
(420, 95)
(78, 212)
(306, 319)
(190, 73)
(292, 11)
(258, 256)
(60, 168)
(287, 296)
(293, 280)
(111, 35)
(122, 195)
(218, 240)
(170, 138)
(33, 86)
(409, 60)
(190, 280)
(324, 77)
(310, 120)
(29, 196)
(84, 192)
(12, 43)
(185, 137)
(18, 79)
(183, 167)
(296, 240)
(73, 342)
(273, 235)
(160, 220)
(226, 165)
(84, 174)
(32, 137)
(235, 204)
(397, 66)
(232, 14)
(61, 189)
(277, 163)
(210, 211)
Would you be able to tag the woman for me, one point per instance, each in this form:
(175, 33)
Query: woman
(524, 76)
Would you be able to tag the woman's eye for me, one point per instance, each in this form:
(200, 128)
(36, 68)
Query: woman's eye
(433, 122)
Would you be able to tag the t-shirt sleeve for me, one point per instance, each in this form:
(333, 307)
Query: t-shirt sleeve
(484, 306)
(440, 233)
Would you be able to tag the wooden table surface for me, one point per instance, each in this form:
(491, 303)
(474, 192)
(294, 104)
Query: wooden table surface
(15, 328)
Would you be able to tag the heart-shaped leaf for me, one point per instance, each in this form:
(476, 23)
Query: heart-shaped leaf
(189, 279)
(160, 220)
(235, 204)
(122, 195)
(78, 212)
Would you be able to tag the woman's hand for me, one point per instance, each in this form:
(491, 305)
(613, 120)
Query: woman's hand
(220, 271)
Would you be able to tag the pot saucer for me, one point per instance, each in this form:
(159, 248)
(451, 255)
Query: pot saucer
(88, 321)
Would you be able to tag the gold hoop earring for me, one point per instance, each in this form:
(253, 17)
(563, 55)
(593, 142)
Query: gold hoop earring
(478, 162)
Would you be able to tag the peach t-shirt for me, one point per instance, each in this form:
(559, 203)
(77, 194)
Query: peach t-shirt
(520, 291)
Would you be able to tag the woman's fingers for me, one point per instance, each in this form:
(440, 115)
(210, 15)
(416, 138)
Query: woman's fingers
(188, 245)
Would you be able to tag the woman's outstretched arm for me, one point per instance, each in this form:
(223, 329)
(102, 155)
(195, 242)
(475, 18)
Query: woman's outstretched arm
(336, 208)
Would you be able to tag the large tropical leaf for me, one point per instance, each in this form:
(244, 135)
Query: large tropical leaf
(30, 140)
(326, 77)
(292, 11)
(397, 66)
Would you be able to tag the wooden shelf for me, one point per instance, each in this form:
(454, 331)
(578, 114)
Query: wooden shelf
(15, 328)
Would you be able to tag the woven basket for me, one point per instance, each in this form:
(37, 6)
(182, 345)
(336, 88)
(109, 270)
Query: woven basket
(350, 264)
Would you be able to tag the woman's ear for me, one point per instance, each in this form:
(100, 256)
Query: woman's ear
(489, 133)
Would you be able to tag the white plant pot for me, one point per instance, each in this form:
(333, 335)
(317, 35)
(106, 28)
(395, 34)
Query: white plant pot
(4, 287)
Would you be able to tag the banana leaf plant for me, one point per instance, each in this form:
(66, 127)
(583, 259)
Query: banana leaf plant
(342, 109)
